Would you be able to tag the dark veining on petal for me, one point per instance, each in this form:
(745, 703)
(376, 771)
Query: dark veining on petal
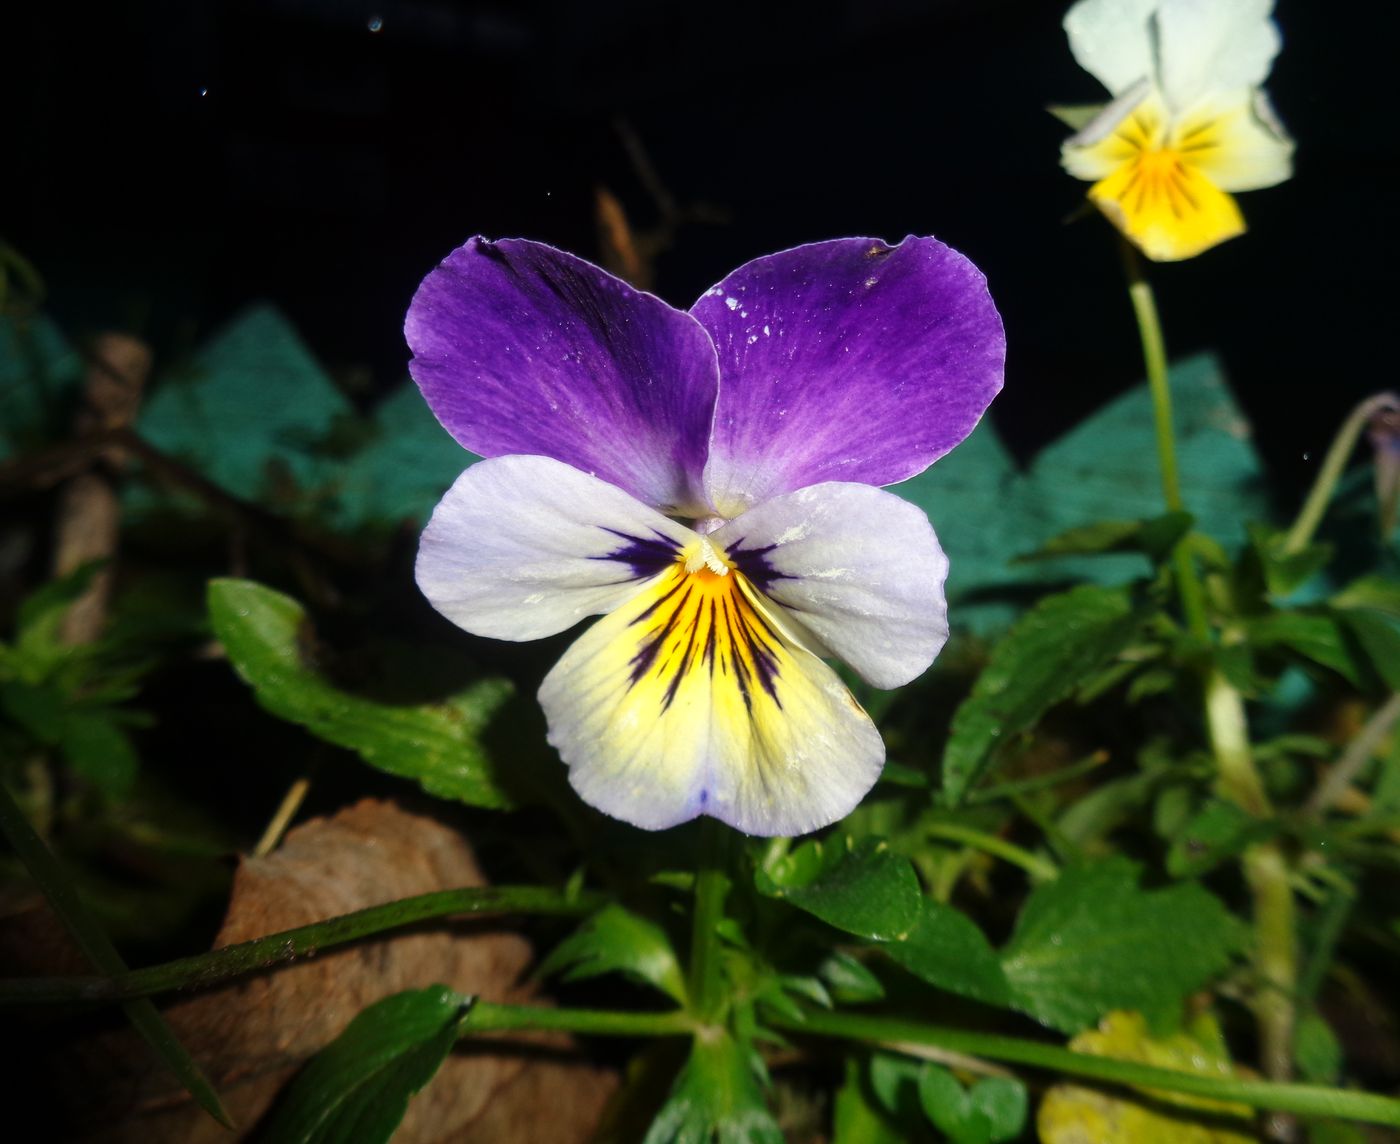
(754, 564)
(645, 555)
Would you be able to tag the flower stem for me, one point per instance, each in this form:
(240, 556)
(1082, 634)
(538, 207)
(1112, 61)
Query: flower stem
(706, 985)
(1227, 725)
(262, 953)
(1307, 1100)
(1154, 357)
(1319, 496)
(1154, 353)
(1357, 754)
(1041, 869)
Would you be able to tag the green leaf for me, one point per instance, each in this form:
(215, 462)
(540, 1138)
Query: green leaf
(1284, 572)
(1057, 645)
(356, 1090)
(848, 980)
(992, 1110)
(615, 940)
(439, 745)
(717, 1099)
(1091, 941)
(100, 751)
(1075, 116)
(946, 949)
(855, 1118)
(1379, 640)
(1154, 538)
(1380, 593)
(861, 887)
(1316, 636)
(1218, 831)
(1316, 1048)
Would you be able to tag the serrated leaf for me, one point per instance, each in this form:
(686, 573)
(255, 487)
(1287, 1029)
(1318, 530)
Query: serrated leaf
(1316, 636)
(1218, 831)
(848, 980)
(863, 888)
(439, 745)
(716, 1099)
(991, 1111)
(1042, 660)
(1092, 941)
(356, 1090)
(614, 940)
(946, 949)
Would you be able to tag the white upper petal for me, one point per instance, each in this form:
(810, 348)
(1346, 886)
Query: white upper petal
(1210, 47)
(1111, 40)
(858, 567)
(524, 547)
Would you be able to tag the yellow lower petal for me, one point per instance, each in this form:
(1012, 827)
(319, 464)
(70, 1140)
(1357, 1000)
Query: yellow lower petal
(697, 698)
(1168, 208)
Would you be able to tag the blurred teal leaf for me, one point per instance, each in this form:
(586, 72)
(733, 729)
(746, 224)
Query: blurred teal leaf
(861, 887)
(991, 1111)
(946, 949)
(249, 411)
(356, 1090)
(1281, 571)
(39, 376)
(1092, 941)
(1379, 593)
(985, 511)
(716, 1099)
(1061, 642)
(438, 745)
(615, 940)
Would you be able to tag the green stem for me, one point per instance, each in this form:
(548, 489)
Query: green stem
(1041, 869)
(484, 1017)
(711, 888)
(92, 939)
(1275, 956)
(1354, 759)
(262, 953)
(1305, 1100)
(1154, 354)
(1320, 495)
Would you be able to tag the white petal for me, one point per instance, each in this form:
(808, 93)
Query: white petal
(859, 567)
(694, 698)
(1110, 40)
(1208, 47)
(1239, 145)
(523, 547)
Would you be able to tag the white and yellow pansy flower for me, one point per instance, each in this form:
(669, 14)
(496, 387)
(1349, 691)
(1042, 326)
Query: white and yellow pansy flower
(1188, 124)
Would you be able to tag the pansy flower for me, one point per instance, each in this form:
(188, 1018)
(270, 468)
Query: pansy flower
(708, 482)
(1188, 122)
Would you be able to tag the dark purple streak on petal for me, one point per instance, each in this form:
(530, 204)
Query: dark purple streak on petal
(848, 360)
(521, 348)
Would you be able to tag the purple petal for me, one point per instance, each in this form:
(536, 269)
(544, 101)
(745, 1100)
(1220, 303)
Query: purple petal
(849, 360)
(521, 348)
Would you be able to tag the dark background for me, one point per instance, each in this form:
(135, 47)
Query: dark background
(165, 163)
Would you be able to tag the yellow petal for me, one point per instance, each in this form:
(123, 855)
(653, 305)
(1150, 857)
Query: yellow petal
(1166, 206)
(697, 698)
(1238, 145)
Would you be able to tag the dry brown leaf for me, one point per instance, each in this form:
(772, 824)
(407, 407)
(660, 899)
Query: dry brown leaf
(252, 1035)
